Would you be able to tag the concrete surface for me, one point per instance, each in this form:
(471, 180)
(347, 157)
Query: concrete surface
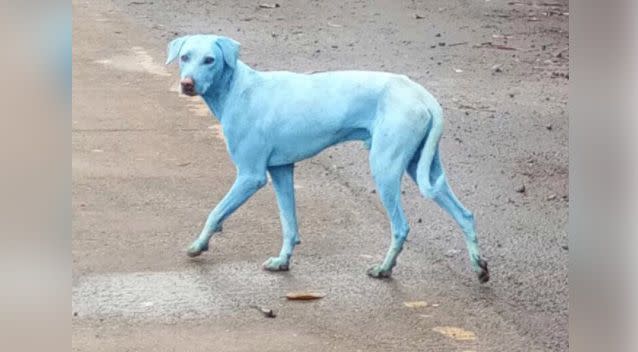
(149, 164)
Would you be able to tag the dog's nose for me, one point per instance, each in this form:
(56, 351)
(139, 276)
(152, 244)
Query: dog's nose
(187, 84)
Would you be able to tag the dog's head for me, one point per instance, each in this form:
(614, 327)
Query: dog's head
(203, 60)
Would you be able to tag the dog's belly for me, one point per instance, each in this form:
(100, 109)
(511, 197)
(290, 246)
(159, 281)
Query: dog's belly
(299, 147)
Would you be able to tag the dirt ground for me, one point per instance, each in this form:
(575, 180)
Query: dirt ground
(149, 164)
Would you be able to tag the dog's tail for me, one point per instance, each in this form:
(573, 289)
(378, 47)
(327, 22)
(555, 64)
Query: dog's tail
(429, 173)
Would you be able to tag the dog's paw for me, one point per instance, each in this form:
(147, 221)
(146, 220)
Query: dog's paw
(483, 273)
(275, 264)
(196, 249)
(378, 272)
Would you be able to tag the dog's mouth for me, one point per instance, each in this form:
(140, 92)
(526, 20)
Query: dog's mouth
(189, 92)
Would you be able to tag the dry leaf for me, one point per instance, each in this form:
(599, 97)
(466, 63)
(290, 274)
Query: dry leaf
(416, 304)
(455, 333)
(304, 296)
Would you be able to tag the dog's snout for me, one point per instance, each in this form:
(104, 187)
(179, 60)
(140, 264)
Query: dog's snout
(187, 83)
(188, 86)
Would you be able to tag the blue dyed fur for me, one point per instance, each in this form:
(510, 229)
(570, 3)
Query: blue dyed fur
(271, 120)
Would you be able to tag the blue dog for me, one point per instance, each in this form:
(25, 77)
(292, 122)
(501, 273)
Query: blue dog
(273, 119)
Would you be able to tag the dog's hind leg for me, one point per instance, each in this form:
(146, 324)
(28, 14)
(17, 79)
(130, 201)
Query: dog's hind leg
(244, 187)
(445, 198)
(283, 183)
(388, 160)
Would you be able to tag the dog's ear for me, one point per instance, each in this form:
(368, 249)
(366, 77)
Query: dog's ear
(230, 50)
(174, 47)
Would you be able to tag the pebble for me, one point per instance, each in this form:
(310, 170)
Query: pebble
(451, 253)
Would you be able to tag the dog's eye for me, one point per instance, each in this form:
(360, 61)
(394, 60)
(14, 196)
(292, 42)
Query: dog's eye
(184, 58)
(208, 60)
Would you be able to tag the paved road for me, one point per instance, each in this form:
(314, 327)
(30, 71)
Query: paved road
(148, 165)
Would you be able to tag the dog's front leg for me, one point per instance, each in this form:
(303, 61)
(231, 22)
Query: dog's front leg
(244, 187)
(283, 183)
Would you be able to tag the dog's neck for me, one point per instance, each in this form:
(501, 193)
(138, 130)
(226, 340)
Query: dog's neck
(218, 95)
